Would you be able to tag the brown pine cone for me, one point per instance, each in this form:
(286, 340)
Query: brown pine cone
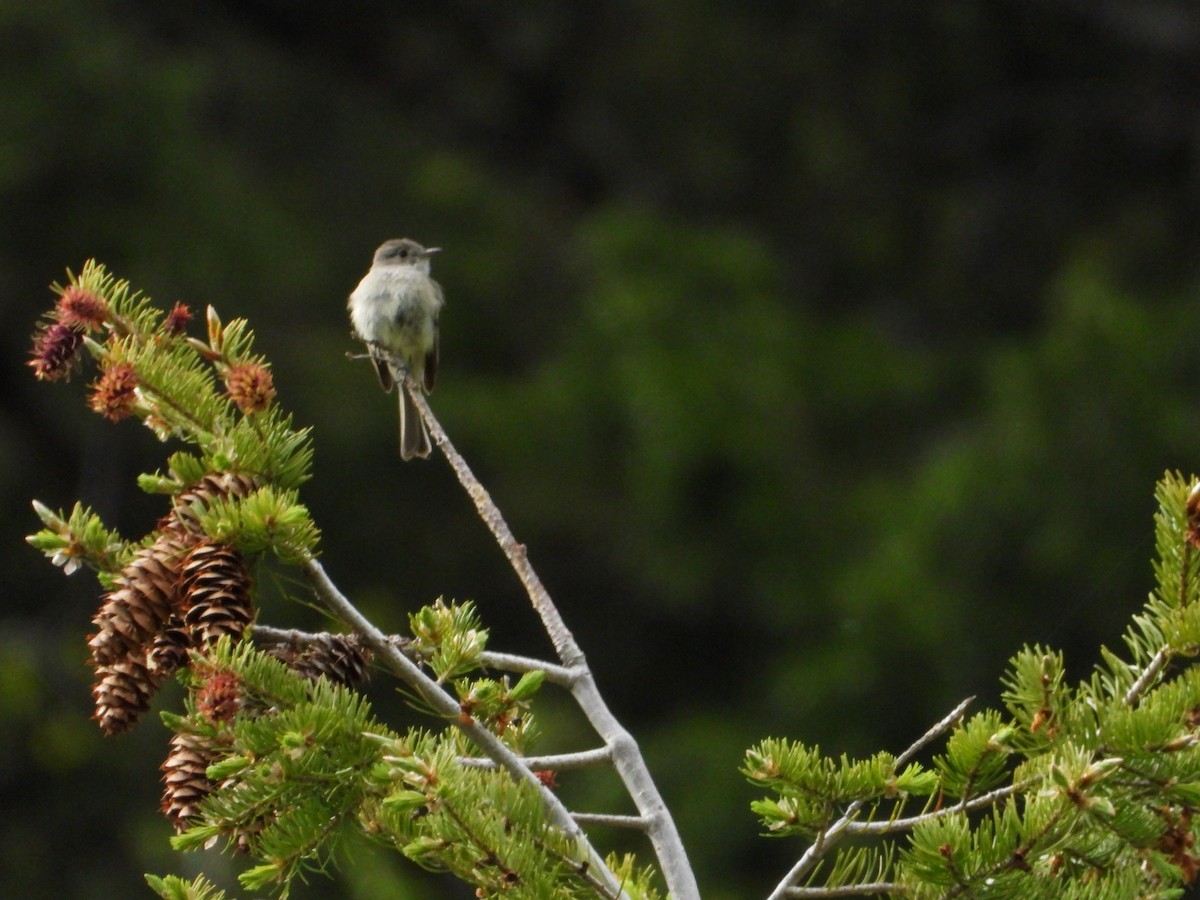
(169, 651)
(123, 691)
(137, 609)
(184, 781)
(339, 657)
(216, 485)
(216, 593)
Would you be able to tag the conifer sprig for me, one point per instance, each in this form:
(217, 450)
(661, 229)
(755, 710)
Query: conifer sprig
(287, 786)
(216, 394)
(275, 755)
(172, 383)
(79, 539)
(173, 887)
(1086, 790)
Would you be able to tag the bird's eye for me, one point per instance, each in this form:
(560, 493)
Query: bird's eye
(403, 253)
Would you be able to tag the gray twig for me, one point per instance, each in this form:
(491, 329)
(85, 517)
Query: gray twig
(1134, 694)
(626, 757)
(581, 759)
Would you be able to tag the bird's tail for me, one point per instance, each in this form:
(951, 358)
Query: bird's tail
(414, 438)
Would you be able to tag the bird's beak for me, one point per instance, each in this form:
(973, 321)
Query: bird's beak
(429, 251)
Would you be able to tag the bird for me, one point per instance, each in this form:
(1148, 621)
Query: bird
(394, 311)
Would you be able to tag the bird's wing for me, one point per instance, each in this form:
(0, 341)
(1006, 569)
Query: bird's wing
(431, 362)
(431, 358)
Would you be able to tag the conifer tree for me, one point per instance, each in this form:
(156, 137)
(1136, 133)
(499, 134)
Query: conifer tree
(275, 754)
(1084, 789)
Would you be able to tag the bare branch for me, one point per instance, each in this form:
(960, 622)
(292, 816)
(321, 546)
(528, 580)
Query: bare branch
(626, 757)
(564, 643)
(273, 635)
(847, 890)
(511, 662)
(583, 759)
(270, 634)
(940, 727)
(1134, 694)
(637, 823)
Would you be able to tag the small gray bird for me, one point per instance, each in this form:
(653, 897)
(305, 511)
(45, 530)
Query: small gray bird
(394, 310)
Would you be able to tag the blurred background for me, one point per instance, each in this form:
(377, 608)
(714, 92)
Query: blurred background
(822, 353)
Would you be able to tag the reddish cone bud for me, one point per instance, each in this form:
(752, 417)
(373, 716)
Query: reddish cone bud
(177, 319)
(1193, 516)
(115, 392)
(250, 387)
(80, 308)
(54, 351)
(219, 697)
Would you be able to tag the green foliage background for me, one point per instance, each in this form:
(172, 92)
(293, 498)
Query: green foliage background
(822, 354)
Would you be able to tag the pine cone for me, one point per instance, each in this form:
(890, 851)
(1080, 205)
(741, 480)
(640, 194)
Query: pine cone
(216, 589)
(56, 351)
(339, 657)
(211, 487)
(123, 691)
(169, 651)
(133, 614)
(184, 781)
(219, 697)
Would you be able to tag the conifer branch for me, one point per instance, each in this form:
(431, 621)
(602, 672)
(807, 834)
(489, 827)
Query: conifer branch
(493, 859)
(445, 705)
(829, 837)
(892, 826)
(1092, 787)
(490, 659)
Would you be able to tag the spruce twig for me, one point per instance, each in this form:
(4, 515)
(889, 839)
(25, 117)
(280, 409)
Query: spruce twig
(892, 826)
(829, 837)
